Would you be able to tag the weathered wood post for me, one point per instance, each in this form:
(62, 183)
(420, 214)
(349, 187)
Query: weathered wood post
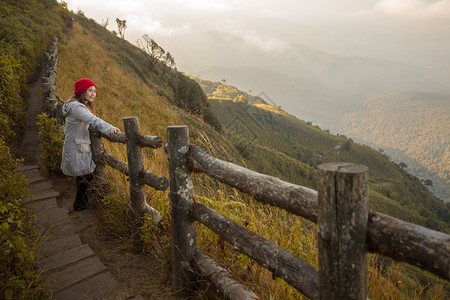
(136, 168)
(97, 152)
(342, 221)
(181, 201)
(100, 183)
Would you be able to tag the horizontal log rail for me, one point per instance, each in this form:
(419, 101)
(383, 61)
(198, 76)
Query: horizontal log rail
(295, 199)
(150, 141)
(158, 182)
(400, 240)
(221, 278)
(296, 272)
(419, 246)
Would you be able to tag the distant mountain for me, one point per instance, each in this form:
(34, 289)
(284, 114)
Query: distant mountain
(307, 98)
(364, 75)
(277, 143)
(312, 84)
(351, 73)
(329, 90)
(412, 128)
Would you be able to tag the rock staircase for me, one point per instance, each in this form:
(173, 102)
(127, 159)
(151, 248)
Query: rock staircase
(72, 268)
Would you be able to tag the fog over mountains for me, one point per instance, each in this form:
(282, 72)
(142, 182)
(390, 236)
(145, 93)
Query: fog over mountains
(312, 83)
(333, 91)
(321, 52)
(320, 60)
(201, 32)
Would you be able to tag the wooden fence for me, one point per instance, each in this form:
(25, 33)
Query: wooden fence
(347, 230)
(138, 176)
(132, 138)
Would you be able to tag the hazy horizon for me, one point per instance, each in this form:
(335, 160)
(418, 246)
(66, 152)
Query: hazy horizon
(412, 31)
(320, 60)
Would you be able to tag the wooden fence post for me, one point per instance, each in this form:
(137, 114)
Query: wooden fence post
(342, 221)
(136, 168)
(97, 152)
(181, 201)
(135, 163)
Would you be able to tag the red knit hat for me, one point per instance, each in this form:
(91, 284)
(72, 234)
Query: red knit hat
(82, 85)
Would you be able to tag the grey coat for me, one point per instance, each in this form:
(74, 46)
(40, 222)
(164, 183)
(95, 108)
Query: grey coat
(76, 155)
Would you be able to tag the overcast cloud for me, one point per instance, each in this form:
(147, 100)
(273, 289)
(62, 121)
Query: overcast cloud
(406, 30)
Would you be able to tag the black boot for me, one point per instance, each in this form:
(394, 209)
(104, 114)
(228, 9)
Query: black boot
(81, 200)
(80, 206)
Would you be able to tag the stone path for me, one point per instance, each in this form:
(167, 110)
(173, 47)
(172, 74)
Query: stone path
(71, 268)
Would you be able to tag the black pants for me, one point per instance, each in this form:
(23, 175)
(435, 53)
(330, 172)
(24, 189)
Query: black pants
(81, 198)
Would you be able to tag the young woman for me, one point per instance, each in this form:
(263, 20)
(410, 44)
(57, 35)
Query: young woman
(76, 155)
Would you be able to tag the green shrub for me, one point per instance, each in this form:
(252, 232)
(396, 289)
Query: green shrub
(18, 278)
(26, 27)
(12, 107)
(51, 135)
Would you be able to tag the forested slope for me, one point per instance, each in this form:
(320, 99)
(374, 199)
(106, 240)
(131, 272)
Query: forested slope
(296, 145)
(413, 128)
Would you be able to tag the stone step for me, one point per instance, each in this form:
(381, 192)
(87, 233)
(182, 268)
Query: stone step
(55, 216)
(37, 206)
(27, 167)
(61, 244)
(31, 173)
(36, 179)
(100, 286)
(57, 232)
(35, 188)
(66, 258)
(81, 270)
(42, 196)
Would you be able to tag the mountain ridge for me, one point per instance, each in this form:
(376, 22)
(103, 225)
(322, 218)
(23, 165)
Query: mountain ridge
(265, 126)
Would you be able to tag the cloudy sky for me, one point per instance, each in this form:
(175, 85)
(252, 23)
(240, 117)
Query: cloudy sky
(415, 31)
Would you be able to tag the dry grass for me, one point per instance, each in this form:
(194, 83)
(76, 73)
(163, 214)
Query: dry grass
(120, 94)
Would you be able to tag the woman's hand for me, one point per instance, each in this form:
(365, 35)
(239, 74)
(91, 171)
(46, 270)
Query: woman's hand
(114, 131)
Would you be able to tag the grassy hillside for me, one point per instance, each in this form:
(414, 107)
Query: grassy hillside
(121, 93)
(127, 86)
(149, 95)
(376, 113)
(301, 147)
(411, 127)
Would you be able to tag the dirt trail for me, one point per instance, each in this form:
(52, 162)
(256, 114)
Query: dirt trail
(30, 140)
(140, 275)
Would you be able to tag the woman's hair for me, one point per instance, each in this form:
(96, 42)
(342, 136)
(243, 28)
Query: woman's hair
(82, 99)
